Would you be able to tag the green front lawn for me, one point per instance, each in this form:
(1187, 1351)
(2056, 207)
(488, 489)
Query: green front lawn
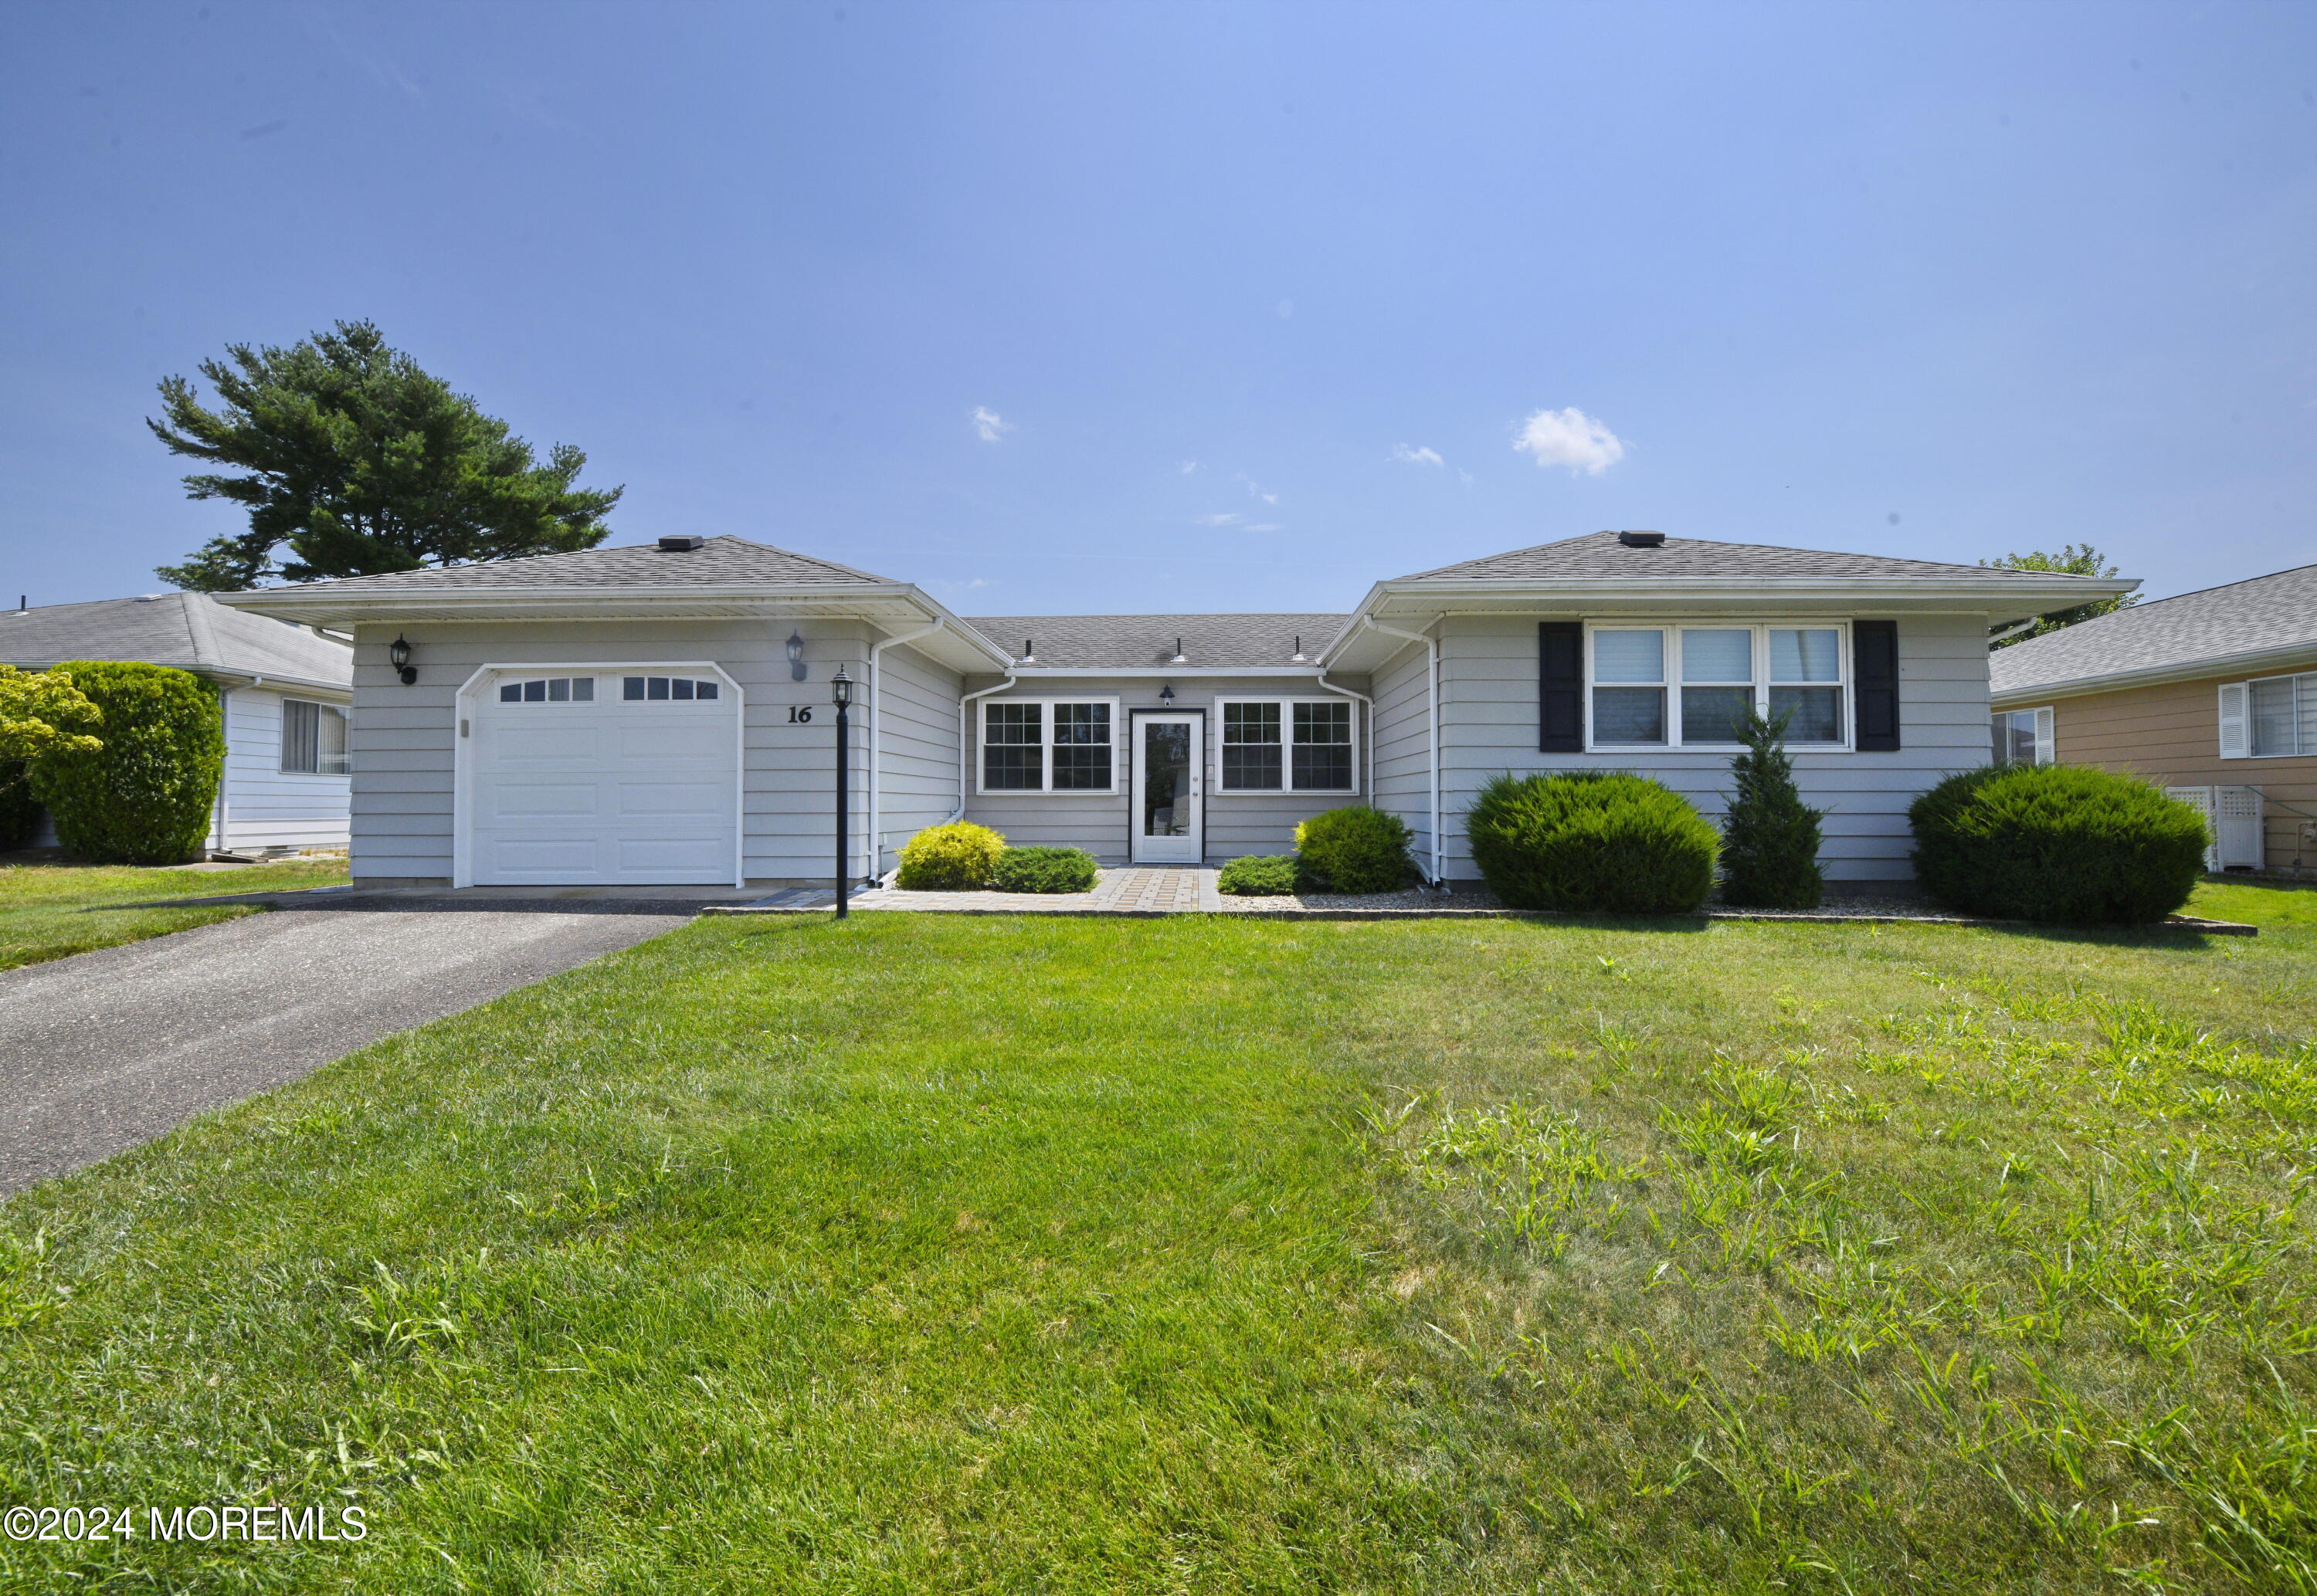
(950, 1254)
(48, 911)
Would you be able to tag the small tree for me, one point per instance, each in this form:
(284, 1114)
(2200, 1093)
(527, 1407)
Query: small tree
(143, 796)
(41, 711)
(2074, 559)
(360, 463)
(1770, 838)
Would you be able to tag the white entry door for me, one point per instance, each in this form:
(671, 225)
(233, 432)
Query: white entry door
(583, 779)
(1169, 811)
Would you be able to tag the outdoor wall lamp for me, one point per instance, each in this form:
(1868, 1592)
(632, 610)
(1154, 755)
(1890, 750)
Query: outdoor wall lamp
(1167, 693)
(796, 657)
(397, 655)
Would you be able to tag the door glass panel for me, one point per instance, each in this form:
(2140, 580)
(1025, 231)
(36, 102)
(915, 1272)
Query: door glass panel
(1165, 779)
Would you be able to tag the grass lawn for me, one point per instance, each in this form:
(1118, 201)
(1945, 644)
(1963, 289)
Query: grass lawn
(934, 1253)
(48, 911)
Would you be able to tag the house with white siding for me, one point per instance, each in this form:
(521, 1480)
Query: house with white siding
(660, 714)
(284, 693)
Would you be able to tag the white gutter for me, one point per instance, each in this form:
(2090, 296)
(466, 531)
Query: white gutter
(1431, 736)
(877, 743)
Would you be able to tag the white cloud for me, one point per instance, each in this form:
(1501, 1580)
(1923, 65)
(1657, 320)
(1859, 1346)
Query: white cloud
(1224, 519)
(1265, 526)
(989, 425)
(1254, 489)
(1187, 468)
(1417, 456)
(1570, 438)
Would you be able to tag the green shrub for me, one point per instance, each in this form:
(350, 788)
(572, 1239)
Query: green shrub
(1355, 849)
(1769, 836)
(1593, 842)
(1043, 869)
(19, 811)
(2056, 843)
(1258, 875)
(144, 796)
(953, 858)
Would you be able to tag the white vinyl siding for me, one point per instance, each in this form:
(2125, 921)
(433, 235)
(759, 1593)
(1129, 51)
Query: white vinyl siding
(266, 807)
(1489, 685)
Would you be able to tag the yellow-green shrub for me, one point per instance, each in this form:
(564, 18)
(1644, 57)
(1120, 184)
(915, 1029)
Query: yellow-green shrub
(953, 858)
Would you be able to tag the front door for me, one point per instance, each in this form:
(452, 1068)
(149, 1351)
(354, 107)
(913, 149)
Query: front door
(1169, 827)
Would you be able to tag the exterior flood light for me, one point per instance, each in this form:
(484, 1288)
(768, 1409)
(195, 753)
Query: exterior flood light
(397, 655)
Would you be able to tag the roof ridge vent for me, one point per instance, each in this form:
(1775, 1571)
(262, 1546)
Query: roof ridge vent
(677, 545)
(1641, 539)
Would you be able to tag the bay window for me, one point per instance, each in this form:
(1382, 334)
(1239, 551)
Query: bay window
(1048, 745)
(1693, 686)
(1286, 745)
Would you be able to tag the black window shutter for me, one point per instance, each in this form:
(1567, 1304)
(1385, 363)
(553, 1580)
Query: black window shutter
(1875, 644)
(1561, 686)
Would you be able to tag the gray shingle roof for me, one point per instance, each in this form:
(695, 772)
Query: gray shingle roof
(1600, 555)
(719, 561)
(1147, 642)
(186, 630)
(2265, 613)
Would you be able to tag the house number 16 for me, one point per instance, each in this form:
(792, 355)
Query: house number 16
(800, 714)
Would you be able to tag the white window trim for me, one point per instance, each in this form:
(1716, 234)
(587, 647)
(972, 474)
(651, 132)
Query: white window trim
(2045, 752)
(1045, 748)
(2304, 685)
(1286, 787)
(282, 747)
(1672, 684)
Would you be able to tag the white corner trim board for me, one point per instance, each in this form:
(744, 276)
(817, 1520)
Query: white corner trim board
(1431, 732)
(876, 838)
(558, 790)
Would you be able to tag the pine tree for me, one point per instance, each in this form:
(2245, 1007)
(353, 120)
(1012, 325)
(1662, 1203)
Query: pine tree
(1770, 837)
(359, 463)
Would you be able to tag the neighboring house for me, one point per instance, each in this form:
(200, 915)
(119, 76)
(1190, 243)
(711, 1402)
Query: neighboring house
(2211, 694)
(283, 690)
(660, 714)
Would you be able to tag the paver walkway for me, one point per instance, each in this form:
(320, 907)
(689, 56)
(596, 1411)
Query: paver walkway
(1130, 889)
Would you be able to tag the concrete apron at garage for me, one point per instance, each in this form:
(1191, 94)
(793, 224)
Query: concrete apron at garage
(104, 1051)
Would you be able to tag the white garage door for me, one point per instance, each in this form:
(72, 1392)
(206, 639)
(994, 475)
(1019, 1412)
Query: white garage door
(604, 778)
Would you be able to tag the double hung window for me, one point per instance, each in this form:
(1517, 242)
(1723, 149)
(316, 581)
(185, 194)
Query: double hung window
(313, 738)
(1286, 745)
(1048, 745)
(1692, 686)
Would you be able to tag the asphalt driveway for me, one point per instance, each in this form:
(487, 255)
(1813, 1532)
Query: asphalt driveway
(103, 1051)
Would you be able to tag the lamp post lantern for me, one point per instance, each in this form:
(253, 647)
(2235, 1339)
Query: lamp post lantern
(840, 693)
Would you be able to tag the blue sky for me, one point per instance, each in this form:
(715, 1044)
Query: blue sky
(1264, 300)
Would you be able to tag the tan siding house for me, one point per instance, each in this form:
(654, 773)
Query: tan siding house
(2214, 691)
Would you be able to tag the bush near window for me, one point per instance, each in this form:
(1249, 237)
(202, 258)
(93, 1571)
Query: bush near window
(19, 811)
(2056, 843)
(1355, 849)
(953, 858)
(1043, 869)
(1593, 842)
(1769, 836)
(1258, 875)
(144, 796)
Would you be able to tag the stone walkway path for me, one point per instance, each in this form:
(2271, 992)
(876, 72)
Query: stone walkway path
(1133, 890)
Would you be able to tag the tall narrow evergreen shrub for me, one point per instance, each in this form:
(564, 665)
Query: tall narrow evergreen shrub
(144, 797)
(1769, 837)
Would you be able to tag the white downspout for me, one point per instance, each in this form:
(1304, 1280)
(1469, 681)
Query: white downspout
(877, 746)
(965, 744)
(1367, 742)
(224, 768)
(1431, 738)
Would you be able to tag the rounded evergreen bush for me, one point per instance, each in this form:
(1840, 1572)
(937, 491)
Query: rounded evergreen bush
(1043, 869)
(1258, 875)
(1592, 841)
(953, 858)
(1355, 849)
(19, 811)
(144, 796)
(2063, 843)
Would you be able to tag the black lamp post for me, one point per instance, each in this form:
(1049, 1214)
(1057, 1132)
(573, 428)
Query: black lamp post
(840, 693)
